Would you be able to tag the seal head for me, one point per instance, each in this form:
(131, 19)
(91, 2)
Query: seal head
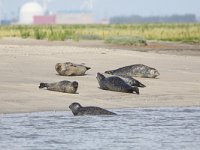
(153, 73)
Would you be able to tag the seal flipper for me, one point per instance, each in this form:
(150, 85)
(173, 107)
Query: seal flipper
(42, 85)
(136, 90)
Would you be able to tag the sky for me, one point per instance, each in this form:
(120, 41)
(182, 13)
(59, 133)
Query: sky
(110, 8)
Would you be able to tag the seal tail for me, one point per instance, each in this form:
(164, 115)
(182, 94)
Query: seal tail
(88, 68)
(136, 90)
(138, 84)
(42, 85)
(142, 85)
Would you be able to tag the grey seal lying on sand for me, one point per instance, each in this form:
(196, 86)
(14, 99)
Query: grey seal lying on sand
(62, 86)
(79, 110)
(115, 83)
(71, 69)
(137, 70)
(128, 79)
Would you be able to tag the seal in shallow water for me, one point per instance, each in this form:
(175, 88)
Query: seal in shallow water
(78, 110)
(115, 83)
(128, 79)
(62, 86)
(71, 69)
(137, 70)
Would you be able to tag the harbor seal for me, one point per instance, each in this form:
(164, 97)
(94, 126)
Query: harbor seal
(62, 86)
(115, 83)
(71, 69)
(137, 70)
(79, 110)
(128, 79)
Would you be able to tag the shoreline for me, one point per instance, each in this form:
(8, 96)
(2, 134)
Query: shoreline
(160, 47)
(110, 109)
(26, 62)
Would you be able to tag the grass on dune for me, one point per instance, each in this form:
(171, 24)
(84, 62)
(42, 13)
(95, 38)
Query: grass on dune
(110, 33)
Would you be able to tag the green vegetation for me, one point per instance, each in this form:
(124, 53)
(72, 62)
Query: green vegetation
(118, 34)
(126, 40)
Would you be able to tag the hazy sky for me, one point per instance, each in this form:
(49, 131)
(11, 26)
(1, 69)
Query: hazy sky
(109, 8)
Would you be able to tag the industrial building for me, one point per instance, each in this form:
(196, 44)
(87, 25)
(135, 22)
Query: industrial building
(33, 13)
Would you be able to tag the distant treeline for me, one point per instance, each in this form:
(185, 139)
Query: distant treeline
(154, 19)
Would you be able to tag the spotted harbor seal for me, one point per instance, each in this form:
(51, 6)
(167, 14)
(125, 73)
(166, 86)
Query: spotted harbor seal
(62, 86)
(137, 70)
(79, 110)
(71, 69)
(128, 79)
(115, 83)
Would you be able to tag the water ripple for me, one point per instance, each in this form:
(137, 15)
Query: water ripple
(146, 129)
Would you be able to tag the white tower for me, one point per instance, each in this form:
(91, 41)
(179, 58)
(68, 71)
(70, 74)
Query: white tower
(28, 11)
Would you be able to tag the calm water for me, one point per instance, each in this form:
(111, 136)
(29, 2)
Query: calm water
(138, 129)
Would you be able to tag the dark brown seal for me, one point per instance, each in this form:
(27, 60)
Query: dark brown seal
(79, 110)
(115, 83)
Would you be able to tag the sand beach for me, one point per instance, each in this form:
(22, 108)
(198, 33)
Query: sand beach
(26, 63)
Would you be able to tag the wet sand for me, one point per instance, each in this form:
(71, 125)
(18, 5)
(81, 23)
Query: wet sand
(26, 63)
